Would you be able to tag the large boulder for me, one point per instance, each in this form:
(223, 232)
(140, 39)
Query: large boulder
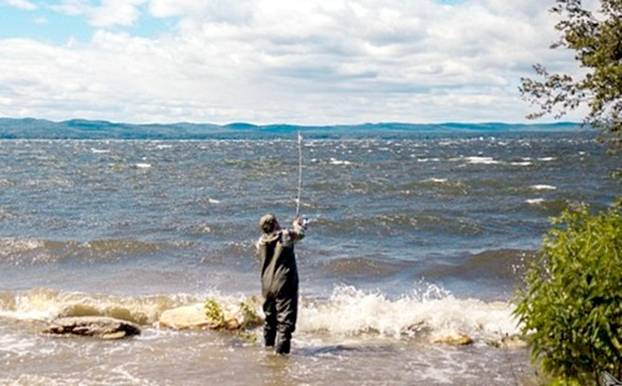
(213, 315)
(186, 317)
(102, 327)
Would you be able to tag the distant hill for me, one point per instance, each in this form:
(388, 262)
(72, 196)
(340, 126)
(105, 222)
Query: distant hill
(29, 128)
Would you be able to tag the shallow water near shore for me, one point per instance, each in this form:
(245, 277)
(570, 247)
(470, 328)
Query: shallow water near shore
(163, 357)
(410, 238)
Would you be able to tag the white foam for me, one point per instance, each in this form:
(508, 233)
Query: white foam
(477, 160)
(99, 151)
(543, 187)
(334, 161)
(481, 160)
(546, 159)
(213, 201)
(534, 201)
(353, 312)
(142, 165)
(523, 163)
(348, 312)
(160, 147)
(45, 304)
(437, 180)
(31, 308)
(10, 246)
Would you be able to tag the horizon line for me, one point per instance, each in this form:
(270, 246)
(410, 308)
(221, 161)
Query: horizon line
(302, 125)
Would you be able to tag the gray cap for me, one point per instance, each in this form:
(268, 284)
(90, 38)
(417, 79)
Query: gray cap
(266, 223)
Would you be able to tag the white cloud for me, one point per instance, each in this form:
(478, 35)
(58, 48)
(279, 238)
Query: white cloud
(238, 11)
(111, 12)
(299, 61)
(22, 4)
(108, 13)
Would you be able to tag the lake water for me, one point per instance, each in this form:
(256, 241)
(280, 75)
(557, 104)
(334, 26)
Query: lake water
(409, 238)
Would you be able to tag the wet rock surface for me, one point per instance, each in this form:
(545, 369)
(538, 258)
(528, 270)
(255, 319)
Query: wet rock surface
(186, 317)
(212, 315)
(453, 339)
(101, 327)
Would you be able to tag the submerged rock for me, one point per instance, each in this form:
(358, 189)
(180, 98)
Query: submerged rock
(509, 342)
(102, 327)
(454, 339)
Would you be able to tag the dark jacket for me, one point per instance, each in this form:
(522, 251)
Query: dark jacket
(279, 275)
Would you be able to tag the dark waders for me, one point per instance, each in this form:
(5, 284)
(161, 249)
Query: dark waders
(279, 283)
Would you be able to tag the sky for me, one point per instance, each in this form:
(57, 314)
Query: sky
(274, 61)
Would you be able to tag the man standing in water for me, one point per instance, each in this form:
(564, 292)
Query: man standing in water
(279, 280)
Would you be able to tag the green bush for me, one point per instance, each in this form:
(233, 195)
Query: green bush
(570, 304)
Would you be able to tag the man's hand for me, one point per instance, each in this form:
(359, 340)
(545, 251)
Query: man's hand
(301, 222)
(298, 231)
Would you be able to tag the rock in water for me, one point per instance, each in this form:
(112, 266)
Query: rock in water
(510, 342)
(196, 316)
(98, 326)
(454, 339)
(186, 317)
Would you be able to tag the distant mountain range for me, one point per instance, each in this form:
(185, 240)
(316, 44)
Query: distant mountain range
(29, 128)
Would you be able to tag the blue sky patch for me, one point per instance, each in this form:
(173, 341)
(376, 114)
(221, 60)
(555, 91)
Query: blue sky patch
(48, 25)
(43, 25)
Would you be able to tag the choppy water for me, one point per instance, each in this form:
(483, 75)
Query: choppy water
(409, 237)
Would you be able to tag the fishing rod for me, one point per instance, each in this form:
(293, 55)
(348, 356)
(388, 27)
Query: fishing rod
(299, 196)
(305, 221)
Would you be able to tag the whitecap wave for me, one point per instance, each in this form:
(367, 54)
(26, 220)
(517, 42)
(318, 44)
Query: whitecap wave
(334, 161)
(11, 246)
(543, 187)
(477, 160)
(352, 312)
(348, 312)
(99, 151)
(45, 304)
